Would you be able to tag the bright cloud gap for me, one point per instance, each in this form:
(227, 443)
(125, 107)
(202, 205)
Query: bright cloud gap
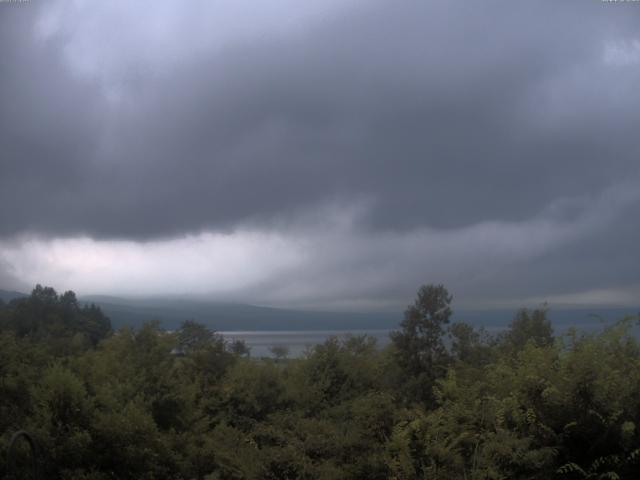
(338, 265)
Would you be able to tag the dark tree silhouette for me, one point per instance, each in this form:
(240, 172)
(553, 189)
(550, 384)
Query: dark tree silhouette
(420, 349)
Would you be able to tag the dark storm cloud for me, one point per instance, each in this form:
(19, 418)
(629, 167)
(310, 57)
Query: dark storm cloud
(607, 258)
(49, 126)
(431, 114)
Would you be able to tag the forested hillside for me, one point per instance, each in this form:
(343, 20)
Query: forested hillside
(232, 316)
(443, 400)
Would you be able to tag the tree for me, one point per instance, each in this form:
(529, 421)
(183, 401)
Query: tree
(420, 350)
(95, 324)
(279, 351)
(194, 336)
(240, 348)
(530, 326)
(58, 318)
(68, 299)
(44, 295)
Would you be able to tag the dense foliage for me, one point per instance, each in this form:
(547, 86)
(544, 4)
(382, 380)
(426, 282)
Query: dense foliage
(442, 401)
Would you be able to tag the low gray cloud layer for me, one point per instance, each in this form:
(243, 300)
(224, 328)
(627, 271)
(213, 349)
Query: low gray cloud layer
(425, 116)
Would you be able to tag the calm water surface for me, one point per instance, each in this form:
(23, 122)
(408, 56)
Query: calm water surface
(297, 341)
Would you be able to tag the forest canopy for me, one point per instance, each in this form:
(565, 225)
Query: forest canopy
(443, 400)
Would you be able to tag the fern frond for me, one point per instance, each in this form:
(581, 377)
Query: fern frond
(571, 467)
(634, 456)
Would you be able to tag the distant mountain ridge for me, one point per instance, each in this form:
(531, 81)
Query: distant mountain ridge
(8, 295)
(234, 316)
(171, 312)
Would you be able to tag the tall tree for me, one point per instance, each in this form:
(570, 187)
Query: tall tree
(194, 336)
(530, 325)
(420, 349)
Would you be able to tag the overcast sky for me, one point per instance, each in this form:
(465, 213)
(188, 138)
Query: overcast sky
(329, 154)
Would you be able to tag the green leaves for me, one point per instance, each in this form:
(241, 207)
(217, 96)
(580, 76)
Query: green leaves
(420, 349)
(522, 406)
(56, 319)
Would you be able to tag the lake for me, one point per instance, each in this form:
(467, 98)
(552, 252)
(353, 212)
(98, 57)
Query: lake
(297, 341)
